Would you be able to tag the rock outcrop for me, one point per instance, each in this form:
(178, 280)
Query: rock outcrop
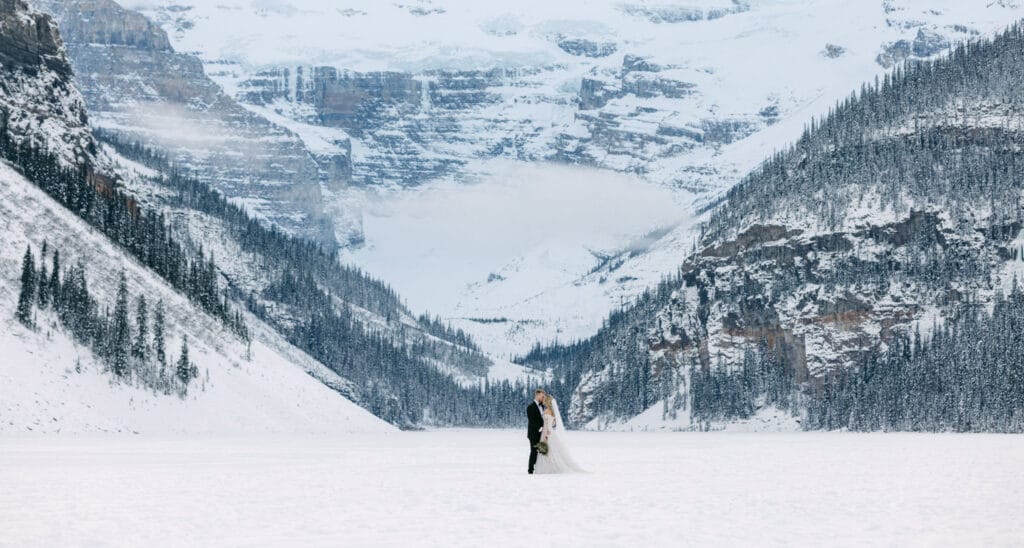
(138, 88)
(38, 98)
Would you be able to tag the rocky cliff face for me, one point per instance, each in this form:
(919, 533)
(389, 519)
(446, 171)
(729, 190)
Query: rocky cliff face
(29, 40)
(137, 87)
(664, 91)
(414, 127)
(101, 22)
(37, 94)
(420, 126)
(817, 300)
(631, 119)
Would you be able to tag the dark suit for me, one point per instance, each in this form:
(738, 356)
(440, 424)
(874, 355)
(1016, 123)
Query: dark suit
(534, 423)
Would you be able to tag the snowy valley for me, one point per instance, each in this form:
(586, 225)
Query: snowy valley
(427, 223)
(418, 99)
(53, 382)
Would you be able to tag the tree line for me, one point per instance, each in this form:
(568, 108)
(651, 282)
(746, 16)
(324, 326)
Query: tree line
(966, 376)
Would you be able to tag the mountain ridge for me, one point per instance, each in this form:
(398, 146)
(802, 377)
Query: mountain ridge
(883, 219)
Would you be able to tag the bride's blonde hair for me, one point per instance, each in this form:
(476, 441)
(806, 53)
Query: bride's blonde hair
(547, 404)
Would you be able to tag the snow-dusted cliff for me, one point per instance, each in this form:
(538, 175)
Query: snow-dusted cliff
(136, 85)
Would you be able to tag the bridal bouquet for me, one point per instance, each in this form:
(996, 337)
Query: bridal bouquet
(542, 447)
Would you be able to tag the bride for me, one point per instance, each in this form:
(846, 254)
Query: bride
(558, 460)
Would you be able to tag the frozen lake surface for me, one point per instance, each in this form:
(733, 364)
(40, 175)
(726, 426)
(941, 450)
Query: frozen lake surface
(469, 488)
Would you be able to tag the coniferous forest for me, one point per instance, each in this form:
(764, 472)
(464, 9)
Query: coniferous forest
(392, 369)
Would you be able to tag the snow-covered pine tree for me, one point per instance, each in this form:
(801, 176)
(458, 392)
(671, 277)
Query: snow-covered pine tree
(43, 280)
(184, 369)
(43, 286)
(140, 349)
(54, 281)
(28, 288)
(120, 336)
(158, 338)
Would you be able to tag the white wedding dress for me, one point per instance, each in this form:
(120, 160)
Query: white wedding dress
(558, 460)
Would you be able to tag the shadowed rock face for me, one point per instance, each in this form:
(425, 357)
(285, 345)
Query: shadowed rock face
(586, 48)
(29, 40)
(925, 44)
(138, 87)
(103, 22)
(37, 94)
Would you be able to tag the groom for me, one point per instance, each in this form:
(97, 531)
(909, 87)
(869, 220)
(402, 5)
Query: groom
(534, 424)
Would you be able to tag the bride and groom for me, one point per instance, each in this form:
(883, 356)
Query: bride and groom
(549, 452)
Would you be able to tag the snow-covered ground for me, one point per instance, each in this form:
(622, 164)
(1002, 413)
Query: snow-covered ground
(469, 488)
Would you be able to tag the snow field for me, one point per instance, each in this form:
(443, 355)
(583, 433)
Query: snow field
(469, 488)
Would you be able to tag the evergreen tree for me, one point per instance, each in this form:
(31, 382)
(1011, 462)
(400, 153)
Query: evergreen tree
(185, 370)
(43, 280)
(158, 336)
(27, 297)
(140, 350)
(120, 331)
(54, 281)
(43, 285)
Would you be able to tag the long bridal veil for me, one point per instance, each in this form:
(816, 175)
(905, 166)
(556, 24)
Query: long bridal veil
(558, 415)
(559, 456)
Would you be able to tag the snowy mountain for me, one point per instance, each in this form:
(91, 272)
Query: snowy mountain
(850, 280)
(53, 382)
(683, 98)
(42, 104)
(791, 289)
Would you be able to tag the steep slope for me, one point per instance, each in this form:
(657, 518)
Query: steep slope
(53, 381)
(901, 212)
(50, 383)
(366, 345)
(128, 69)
